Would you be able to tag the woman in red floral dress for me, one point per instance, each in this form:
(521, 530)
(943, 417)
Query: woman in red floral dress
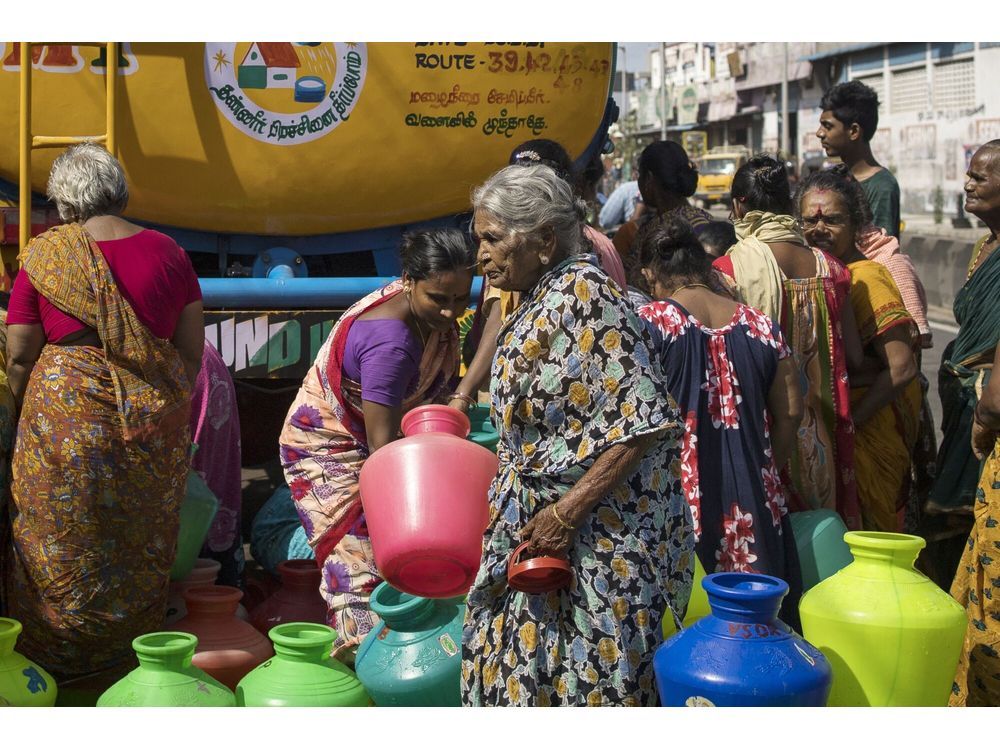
(730, 371)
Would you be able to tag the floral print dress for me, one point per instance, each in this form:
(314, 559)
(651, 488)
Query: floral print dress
(573, 376)
(720, 378)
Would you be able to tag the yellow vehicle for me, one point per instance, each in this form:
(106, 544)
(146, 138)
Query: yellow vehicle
(716, 170)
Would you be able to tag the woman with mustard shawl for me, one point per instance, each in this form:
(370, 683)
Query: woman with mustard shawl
(885, 394)
(774, 270)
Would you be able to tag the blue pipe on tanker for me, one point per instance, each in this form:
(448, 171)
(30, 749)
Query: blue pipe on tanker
(296, 293)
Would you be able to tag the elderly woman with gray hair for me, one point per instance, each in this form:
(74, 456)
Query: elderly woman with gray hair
(589, 455)
(105, 338)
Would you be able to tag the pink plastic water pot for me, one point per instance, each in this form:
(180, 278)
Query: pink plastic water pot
(425, 502)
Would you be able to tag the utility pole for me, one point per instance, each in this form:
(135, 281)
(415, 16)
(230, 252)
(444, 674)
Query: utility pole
(785, 151)
(624, 112)
(663, 91)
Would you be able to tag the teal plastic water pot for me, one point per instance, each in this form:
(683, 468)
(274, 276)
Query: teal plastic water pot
(413, 657)
(819, 538)
(483, 432)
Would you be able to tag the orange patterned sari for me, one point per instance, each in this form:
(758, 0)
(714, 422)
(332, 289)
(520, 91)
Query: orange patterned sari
(99, 472)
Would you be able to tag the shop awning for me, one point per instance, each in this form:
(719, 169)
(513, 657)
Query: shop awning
(722, 110)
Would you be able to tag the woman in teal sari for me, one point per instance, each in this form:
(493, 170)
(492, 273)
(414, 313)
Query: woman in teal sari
(967, 361)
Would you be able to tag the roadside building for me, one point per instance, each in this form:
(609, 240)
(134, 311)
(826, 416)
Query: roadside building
(938, 104)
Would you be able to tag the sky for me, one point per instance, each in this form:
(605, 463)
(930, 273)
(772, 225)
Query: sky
(637, 55)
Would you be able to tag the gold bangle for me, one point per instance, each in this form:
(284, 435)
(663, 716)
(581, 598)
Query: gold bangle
(555, 514)
(462, 397)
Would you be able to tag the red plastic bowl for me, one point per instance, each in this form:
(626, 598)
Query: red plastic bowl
(537, 575)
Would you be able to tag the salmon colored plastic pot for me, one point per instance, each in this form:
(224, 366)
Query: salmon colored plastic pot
(203, 573)
(228, 647)
(298, 599)
(435, 418)
(425, 503)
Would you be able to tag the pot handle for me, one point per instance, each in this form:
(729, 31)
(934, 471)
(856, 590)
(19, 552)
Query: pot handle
(513, 559)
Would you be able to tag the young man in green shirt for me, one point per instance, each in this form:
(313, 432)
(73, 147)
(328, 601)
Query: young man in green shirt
(846, 126)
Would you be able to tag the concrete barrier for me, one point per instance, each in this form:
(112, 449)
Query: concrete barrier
(941, 264)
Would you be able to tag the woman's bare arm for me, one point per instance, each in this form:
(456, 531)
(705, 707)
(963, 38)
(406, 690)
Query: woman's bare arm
(784, 401)
(479, 368)
(189, 338)
(894, 349)
(611, 468)
(24, 344)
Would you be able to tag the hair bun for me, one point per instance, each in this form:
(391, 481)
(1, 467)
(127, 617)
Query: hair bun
(771, 176)
(841, 169)
(673, 232)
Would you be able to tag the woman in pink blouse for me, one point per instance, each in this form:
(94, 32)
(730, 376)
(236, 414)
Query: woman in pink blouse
(104, 341)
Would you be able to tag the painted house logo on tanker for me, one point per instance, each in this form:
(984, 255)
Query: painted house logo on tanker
(285, 92)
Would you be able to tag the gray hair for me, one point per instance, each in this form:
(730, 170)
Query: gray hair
(526, 199)
(85, 181)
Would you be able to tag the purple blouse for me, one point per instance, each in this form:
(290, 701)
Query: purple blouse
(383, 356)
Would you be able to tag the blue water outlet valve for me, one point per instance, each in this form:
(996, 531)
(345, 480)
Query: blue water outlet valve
(279, 263)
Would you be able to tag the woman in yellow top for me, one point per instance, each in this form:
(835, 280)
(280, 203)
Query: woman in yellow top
(885, 395)
(977, 679)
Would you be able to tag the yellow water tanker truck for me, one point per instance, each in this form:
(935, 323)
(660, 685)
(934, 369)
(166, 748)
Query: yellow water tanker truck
(289, 170)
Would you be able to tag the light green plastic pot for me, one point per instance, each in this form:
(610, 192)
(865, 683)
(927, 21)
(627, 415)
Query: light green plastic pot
(301, 673)
(22, 682)
(165, 677)
(819, 540)
(892, 637)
